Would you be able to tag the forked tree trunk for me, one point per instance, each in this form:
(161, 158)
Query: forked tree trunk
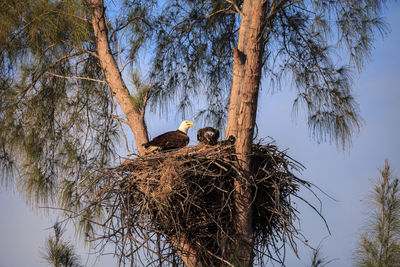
(135, 118)
(241, 115)
(247, 63)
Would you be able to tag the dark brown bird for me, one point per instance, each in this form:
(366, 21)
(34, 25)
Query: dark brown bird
(230, 141)
(208, 135)
(170, 140)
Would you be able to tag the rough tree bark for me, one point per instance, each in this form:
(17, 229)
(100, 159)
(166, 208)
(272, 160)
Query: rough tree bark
(135, 118)
(241, 114)
(186, 252)
(247, 63)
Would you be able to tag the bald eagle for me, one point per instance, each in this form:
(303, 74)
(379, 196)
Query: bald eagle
(171, 140)
(208, 135)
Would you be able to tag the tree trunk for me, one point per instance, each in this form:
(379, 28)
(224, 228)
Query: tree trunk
(247, 63)
(135, 118)
(186, 252)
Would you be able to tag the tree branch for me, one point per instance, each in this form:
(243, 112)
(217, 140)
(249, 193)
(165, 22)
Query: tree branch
(75, 77)
(120, 119)
(113, 75)
(238, 10)
(80, 49)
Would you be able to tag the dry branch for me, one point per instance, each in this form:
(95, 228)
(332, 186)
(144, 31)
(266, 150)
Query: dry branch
(188, 195)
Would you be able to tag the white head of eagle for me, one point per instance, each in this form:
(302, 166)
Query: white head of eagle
(171, 140)
(185, 125)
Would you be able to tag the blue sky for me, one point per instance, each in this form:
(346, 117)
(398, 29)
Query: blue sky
(346, 176)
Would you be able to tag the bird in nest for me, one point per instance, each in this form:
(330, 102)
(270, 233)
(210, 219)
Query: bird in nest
(170, 140)
(210, 136)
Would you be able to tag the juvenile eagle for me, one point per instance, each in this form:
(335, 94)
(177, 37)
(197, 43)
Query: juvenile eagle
(171, 140)
(228, 142)
(208, 135)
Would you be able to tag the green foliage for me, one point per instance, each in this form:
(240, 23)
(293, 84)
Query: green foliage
(52, 128)
(141, 91)
(56, 121)
(138, 17)
(379, 245)
(195, 40)
(58, 252)
(55, 128)
(317, 260)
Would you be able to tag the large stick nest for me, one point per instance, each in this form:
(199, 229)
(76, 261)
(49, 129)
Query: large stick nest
(188, 195)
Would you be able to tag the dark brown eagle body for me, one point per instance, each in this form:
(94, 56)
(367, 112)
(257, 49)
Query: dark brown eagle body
(208, 135)
(169, 140)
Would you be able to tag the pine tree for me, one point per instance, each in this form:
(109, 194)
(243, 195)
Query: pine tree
(58, 252)
(317, 260)
(63, 66)
(379, 244)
